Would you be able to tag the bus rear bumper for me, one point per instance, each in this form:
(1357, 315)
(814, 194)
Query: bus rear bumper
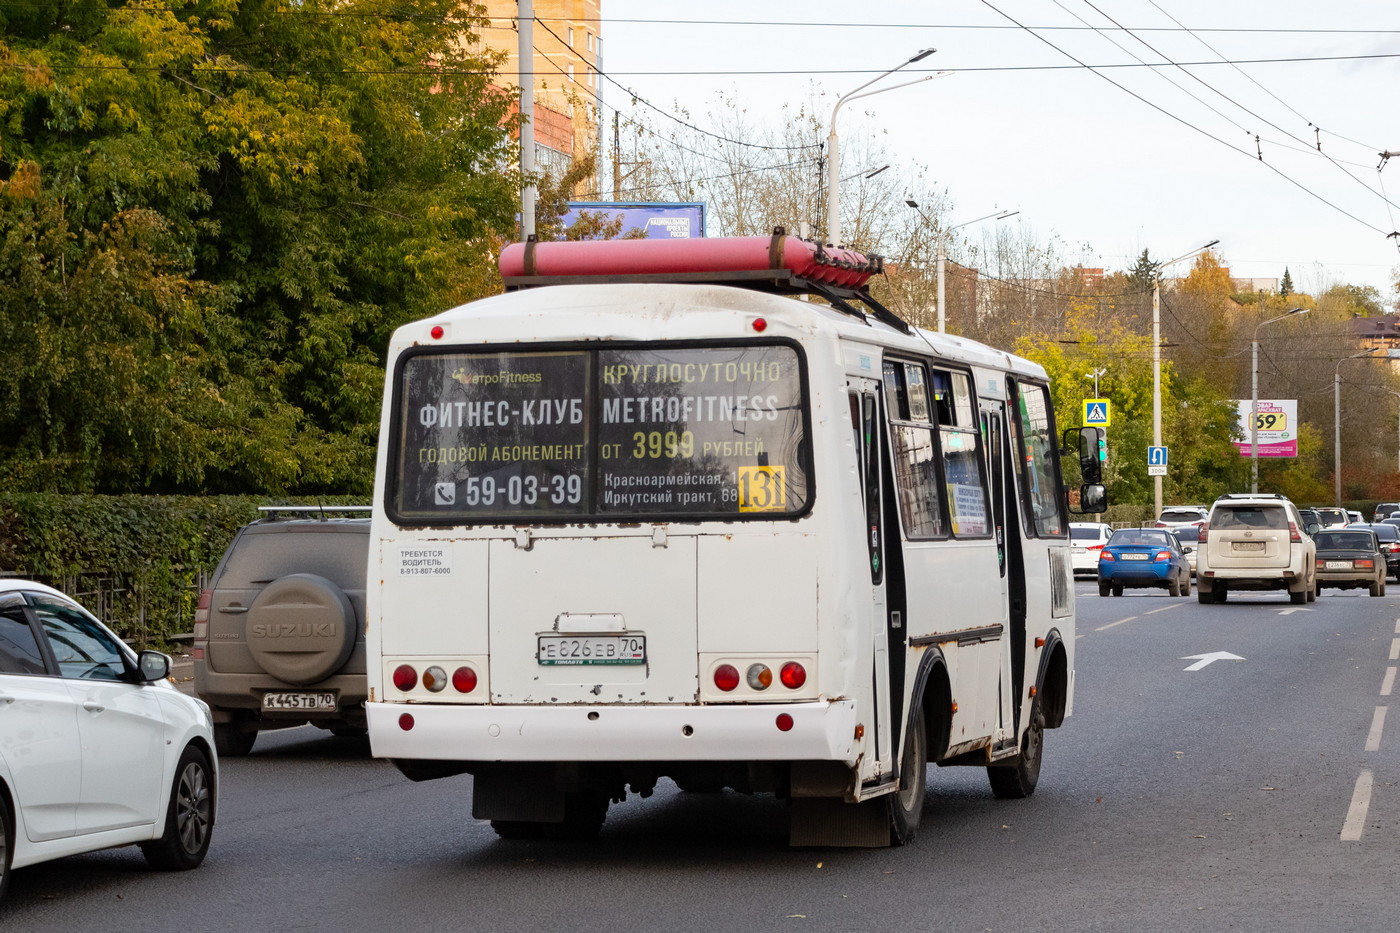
(819, 731)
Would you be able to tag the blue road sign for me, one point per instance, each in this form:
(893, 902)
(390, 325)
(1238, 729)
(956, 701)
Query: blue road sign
(1156, 456)
(1096, 413)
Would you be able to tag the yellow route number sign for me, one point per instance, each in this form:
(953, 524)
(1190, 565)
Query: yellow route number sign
(762, 489)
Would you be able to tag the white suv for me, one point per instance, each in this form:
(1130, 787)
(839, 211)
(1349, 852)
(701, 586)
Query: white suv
(1256, 542)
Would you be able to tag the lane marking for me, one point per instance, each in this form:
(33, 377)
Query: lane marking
(1389, 682)
(1395, 649)
(1373, 738)
(1111, 624)
(1356, 813)
(1397, 626)
(1163, 609)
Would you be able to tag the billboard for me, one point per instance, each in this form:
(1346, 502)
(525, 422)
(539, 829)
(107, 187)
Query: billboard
(678, 220)
(1277, 422)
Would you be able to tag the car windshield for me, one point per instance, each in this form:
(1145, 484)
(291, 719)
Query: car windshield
(1181, 515)
(1250, 516)
(1344, 540)
(1188, 535)
(1332, 516)
(1131, 536)
(1084, 532)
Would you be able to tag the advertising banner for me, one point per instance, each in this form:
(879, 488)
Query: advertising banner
(1277, 422)
(661, 220)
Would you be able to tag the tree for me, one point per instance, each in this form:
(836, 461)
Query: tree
(213, 215)
(1285, 287)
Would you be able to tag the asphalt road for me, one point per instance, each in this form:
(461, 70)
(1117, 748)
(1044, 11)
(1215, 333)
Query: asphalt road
(1224, 798)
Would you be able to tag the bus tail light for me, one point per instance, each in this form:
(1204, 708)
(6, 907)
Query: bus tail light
(726, 677)
(464, 680)
(435, 679)
(760, 676)
(793, 675)
(405, 678)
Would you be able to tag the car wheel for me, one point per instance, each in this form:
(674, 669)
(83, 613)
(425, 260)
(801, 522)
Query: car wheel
(189, 819)
(1298, 597)
(233, 739)
(1378, 588)
(1019, 777)
(1117, 589)
(1314, 591)
(1173, 587)
(907, 805)
(1186, 584)
(1103, 589)
(1204, 596)
(517, 829)
(584, 812)
(6, 846)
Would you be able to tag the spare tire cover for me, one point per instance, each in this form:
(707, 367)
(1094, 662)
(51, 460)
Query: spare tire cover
(301, 628)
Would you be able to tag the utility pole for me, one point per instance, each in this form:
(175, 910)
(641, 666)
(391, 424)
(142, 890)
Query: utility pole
(617, 158)
(525, 25)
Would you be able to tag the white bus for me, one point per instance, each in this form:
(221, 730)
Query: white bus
(649, 515)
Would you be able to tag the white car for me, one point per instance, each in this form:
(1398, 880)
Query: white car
(1086, 540)
(97, 747)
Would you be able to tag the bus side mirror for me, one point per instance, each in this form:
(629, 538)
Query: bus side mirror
(1093, 450)
(1093, 498)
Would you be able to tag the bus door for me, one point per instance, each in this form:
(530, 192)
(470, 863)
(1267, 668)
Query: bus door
(1006, 526)
(888, 620)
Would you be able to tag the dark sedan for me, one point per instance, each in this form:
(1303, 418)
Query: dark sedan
(1350, 558)
(1389, 537)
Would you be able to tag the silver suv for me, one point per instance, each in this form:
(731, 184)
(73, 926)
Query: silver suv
(279, 635)
(1256, 542)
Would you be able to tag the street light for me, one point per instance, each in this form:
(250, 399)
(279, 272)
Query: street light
(1095, 376)
(1157, 362)
(1337, 419)
(943, 246)
(1397, 429)
(833, 156)
(1254, 398)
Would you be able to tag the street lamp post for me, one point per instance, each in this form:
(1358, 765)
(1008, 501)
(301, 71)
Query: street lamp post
(1157, 362)
(1397, 429)
(833, 148)
(1095, 376)
(1254, 398)
(1337, 421)
(942, 262)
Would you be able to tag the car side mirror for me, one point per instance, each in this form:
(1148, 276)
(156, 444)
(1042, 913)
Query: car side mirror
(153, 666)
(1188, 550)
(1312, 528)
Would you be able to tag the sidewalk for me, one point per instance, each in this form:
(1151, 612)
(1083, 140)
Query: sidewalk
(182, 672)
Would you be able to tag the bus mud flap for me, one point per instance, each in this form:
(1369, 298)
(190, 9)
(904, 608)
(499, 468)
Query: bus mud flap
(831, 821)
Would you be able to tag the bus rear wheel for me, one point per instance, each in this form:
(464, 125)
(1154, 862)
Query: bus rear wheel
(907, 804)
(1018, 778)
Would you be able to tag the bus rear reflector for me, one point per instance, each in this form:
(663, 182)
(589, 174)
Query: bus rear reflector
(406, 722)
(784, 722)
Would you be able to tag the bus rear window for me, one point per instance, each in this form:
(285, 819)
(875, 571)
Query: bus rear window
(702, 432)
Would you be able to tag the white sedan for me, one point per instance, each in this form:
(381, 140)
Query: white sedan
(97, 747)
(1086, 541)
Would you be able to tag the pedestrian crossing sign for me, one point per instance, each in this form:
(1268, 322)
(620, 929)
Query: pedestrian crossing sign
(1096, 413)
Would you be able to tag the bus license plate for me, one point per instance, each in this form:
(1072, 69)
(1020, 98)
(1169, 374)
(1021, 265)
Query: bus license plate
(592, 649)
(316, 702)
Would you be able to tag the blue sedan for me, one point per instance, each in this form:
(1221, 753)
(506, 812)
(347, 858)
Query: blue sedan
(1144, 557)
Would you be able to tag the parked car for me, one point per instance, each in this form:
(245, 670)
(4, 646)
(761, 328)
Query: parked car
(1349, 558)
(1331, 517)
(1190, 538)
(1383, 510)
(1086, 539)
(1177, 516)
(279, 635)
(1256, 542)
(1138, 557)
(97, 747)
(1389, 538)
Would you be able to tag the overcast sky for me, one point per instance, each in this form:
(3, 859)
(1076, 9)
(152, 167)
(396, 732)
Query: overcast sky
(1021, 126)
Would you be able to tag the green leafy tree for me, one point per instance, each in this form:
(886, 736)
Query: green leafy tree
(213, 214)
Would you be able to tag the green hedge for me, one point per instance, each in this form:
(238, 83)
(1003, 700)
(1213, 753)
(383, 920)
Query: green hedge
(137, 562)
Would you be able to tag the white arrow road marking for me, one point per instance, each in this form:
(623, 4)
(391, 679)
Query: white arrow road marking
(1203, 659)
(1289, 612)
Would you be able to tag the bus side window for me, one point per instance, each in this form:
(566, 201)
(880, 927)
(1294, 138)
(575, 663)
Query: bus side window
(962, 462)
(916, 476)
(863, 422)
